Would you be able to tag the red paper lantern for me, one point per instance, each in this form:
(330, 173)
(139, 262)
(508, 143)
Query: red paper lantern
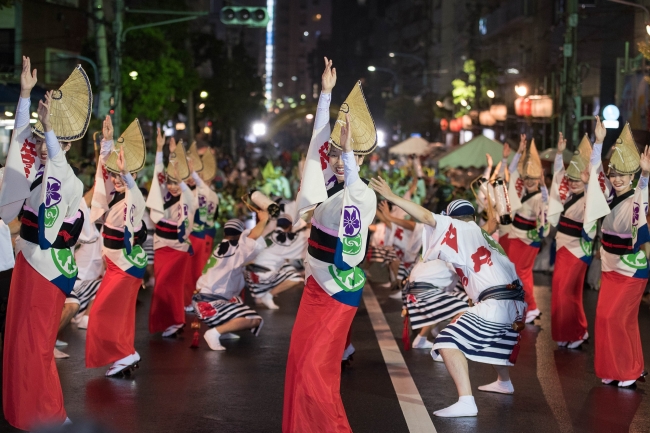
(456, 125)
(444, 124)
(523, 107)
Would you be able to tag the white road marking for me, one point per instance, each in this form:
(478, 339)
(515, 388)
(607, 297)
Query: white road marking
(415, 413)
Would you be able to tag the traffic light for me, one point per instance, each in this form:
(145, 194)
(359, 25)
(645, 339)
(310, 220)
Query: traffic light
(251, 16)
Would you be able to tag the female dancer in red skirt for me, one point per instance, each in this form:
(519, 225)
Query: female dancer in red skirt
(566, 211)
(39, 176)
(111, 329)
(529, 201)
(619, 355)
(171, 204)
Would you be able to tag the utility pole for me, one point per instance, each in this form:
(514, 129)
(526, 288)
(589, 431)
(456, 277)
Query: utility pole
(118, 26)
(102, 58)
(190, 102)
(570, 88)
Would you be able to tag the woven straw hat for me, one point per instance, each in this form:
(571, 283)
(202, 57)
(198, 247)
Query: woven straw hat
(364, 133)
(530, 164)
(625, 155)
(209, 167)
(135, 149)
(194, 156)
(180, 157)
(580, 159)
(71, 108)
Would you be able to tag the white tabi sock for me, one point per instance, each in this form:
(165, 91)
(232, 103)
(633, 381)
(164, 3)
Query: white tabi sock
(211, 337)
(498, 387)
(465, 406)
(421, 342)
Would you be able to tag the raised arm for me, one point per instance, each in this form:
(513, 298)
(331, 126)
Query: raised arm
(520, 151)
(328, 82)
(107, 139)
(27, 82)
(263, 217)
(52, 143)
(416, 211)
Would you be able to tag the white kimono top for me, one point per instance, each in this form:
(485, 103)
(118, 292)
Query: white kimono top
(88, 252)
(51, 220)
(529, 224)
(223, 275)
(206, 202)
(567, 212)
(435, 272)
(170, 214)
(123, 230)
(624, 228)
(480, 263)
(284, 247)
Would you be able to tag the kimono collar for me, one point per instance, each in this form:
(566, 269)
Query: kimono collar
(620, 199)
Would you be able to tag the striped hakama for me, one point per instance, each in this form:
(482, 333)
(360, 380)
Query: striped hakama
(404, 271)
(215, 311)
(381, 254)
(428, 305)
(261, 280)
(82, 293)
(479, 339)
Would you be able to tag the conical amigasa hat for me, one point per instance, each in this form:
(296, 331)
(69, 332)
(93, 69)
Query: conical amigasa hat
(530, 164)
(625, 155)
(179, 157)
(135, 149)
(193, 155)
(209, 166)
(580, 159)
(364, 133)
(71, 108)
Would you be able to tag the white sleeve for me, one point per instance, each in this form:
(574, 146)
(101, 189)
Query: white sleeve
(559, 162)
(323, 111)
(22, 112)
(350, 168)
(514, 162)
(52, 143)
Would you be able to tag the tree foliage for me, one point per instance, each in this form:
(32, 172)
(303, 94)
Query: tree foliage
(165, 77)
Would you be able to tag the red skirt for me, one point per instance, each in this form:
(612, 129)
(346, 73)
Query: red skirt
(170, 271)
(312, 397)
(523, 257)
(568, 320)
(618, 354)
(201, 255)
(111, 326)
(31, 390)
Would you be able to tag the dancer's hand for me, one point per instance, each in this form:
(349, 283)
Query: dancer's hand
(328, 80)
(160, 140)
(645, 162)
(379, 185)
(522, 143)
(121, 161)
(107, 128)
(27, 79)
(44, 111)
(561, 143)
(600, 132)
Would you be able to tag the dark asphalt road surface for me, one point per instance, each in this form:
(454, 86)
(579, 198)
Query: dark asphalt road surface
(178, 389)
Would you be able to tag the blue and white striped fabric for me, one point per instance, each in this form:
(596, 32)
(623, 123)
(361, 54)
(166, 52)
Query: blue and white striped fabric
(432, 305)
(260, 283)
(459, 208)
(480, 340)
(217, 312)
(82, 293)
(404, 271)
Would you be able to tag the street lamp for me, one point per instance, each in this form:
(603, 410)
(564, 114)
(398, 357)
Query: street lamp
(490, 94)
(259, 129)
(521, 90)
(203, 94)
(133, 75)
(372, 68)
(416, 58)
